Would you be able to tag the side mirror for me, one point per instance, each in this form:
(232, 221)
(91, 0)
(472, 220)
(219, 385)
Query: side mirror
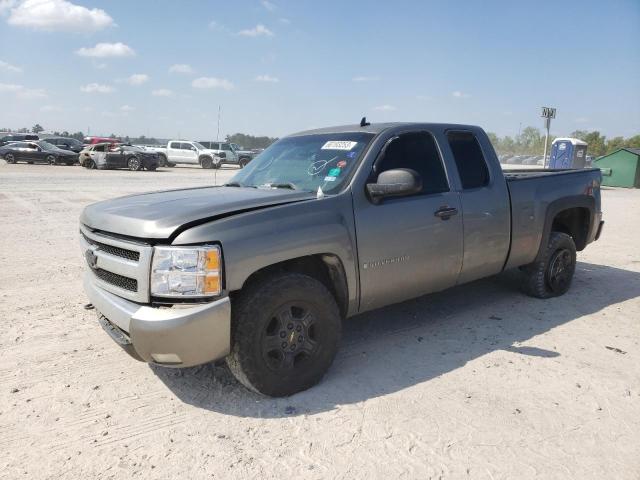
(398, 182)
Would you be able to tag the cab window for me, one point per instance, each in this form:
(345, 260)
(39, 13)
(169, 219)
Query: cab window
(469, 159)
(417, 151)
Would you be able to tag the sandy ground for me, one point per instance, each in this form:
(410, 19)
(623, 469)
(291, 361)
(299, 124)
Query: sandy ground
(476, 382)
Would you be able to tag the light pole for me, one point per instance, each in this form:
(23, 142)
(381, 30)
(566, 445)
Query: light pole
(547, 113)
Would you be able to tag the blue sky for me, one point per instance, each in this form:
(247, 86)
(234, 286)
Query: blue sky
(277, 66)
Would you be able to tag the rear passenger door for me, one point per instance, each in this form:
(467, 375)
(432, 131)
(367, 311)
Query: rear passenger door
(174, 153)
(485, 205)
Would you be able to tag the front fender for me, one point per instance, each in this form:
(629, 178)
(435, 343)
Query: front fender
(257, 239)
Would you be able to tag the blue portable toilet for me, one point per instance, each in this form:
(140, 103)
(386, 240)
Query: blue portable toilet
(568, 153)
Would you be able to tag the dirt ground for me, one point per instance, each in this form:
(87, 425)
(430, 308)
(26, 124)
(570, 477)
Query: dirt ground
(476, 382)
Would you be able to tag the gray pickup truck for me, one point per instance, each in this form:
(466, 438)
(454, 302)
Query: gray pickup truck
(322, 225)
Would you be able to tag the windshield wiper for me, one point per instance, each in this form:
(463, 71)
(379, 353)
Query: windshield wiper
(238, 184)
(288, 185)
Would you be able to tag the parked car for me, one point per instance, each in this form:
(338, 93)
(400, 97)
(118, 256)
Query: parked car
(18, 137)
(189, 153)
(323, 225)
(66, 143)
(37, 152)
(106, 156)
(94, 140)
(245, 156)
(228, 153)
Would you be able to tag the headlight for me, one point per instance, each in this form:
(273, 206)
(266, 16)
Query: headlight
(186, 272)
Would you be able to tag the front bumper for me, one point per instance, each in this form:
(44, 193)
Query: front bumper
(175, 337)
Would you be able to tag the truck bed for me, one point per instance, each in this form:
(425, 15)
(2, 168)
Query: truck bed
(532, 193)
(523, 174)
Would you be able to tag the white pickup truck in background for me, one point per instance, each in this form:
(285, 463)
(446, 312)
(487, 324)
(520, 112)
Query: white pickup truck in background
(186, 152)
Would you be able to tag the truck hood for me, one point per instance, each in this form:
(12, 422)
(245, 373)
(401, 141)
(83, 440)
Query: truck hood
(159, 215)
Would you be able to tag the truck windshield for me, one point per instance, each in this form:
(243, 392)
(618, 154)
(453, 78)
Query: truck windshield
(306, 162)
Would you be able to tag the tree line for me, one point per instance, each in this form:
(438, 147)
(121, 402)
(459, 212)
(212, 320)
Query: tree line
(531, 142)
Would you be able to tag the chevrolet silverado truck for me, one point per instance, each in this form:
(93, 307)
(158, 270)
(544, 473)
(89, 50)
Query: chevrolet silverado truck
(323, 225)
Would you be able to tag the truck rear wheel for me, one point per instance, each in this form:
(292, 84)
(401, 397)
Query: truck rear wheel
(551, 276)
(285, 334)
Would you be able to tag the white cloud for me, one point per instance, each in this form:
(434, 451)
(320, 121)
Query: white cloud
(363, 78)
(459, 94)
(6, 5)
(385, 108)
(217, 27)
(285, 21)
(7, 67)
(212, 82)
(103, 50)
(268, 5)
(162, 92)
(267, 78)
(257, 31)
(21, 91)
(96, 88)
(56, 15)
(126, 108)
(138, 79)
(181, 68)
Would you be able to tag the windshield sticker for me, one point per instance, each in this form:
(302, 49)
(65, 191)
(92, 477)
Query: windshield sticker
(334, 172)
(341, 164)
(351, 154)
(338, 145)
(329, 179)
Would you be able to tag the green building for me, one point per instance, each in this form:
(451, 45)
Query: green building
(621, 168)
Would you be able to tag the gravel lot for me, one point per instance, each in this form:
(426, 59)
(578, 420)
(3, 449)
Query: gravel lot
(477, 382)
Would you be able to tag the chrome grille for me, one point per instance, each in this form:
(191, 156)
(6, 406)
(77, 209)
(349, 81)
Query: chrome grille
(116, 251)
(118, 266)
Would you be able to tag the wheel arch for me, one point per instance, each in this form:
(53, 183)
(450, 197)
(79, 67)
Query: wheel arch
(327, 268)
(573, 216)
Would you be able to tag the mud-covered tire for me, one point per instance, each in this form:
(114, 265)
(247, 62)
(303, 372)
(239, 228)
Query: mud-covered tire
(551, 276)
(269, 320)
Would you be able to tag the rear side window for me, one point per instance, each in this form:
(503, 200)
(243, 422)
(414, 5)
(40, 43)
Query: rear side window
(417, 151)
(470, 161)
(174, 145)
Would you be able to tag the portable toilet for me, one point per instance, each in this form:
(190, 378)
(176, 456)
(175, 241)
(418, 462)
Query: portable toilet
(568, 153)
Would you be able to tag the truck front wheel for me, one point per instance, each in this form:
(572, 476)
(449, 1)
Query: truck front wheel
(551, 275)
(285, 333)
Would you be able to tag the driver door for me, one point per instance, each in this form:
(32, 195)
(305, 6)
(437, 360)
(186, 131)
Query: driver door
(406, 246)
(189, 153)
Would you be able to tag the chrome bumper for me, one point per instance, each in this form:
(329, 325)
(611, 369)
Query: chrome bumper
(176, 337)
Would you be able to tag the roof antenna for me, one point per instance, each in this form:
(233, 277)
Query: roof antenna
(363, 122)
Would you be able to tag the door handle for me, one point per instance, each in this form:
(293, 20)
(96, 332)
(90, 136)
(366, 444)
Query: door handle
(445, 212)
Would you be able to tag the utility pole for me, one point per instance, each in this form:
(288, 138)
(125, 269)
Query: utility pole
(218, 134)
(547, 113)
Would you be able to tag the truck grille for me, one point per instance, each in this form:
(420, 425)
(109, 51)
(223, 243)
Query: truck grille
(111, 250)
(117, 280)
(117, 266)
